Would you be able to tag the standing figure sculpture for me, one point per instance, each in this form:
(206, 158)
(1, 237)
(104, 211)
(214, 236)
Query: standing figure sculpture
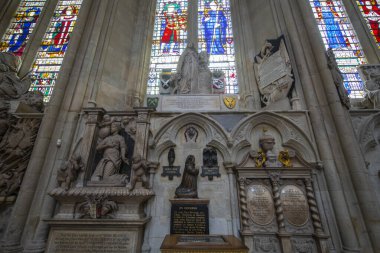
(114, 152)
(187, 70)
(188, 187)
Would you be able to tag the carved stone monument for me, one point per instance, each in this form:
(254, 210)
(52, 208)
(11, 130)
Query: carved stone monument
(370, 74)
(189, 215)
(193, 75)
(274, 73)
(278, 203)
(101, 196)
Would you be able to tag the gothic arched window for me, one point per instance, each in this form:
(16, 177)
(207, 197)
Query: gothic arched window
(337, 33)
(371, 12)
(21, 27)
(174, 25)
(54, 45)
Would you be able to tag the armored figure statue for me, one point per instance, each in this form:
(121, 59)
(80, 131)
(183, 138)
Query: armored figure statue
(188, 187)
(11, 85)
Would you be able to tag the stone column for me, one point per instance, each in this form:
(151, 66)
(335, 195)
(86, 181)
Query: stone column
(347, 232)
(230, 167)
(282, 234)
(192, 22)
(146, 248)
(141, 48)
(343, 124)
(248, 87)
(315, 217)
(30, 192)
(142, 133)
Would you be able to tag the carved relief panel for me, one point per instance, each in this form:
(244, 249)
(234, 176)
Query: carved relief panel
(277, 201)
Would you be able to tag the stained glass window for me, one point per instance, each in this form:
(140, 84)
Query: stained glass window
(371, 13)
(169, 41)
(22, 25)
(215, 37)
(54, 45)
(338, 34)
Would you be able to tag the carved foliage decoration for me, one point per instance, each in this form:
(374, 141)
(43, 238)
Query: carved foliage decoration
(15, 150)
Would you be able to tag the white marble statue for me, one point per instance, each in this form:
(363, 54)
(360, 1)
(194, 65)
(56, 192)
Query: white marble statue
(193, 75)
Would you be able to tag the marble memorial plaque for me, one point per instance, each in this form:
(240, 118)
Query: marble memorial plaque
(210, 172)
(97, 241)
(294, 203)
(191, 103)
(272, 69)
(189, 219)
(260, 204)
(171, 171)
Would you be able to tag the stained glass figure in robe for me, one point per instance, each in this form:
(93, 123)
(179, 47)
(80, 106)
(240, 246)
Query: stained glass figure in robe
(61, 31)
(54, 46)
(172, 23)
(22, 25)
(330, 16)
(337, 33)
(215, 27)
(216, 37)
(371, 13)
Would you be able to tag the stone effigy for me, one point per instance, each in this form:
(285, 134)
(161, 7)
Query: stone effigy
(188, 187)
(193, 75)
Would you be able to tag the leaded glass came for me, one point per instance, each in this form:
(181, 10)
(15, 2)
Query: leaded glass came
(54, 45)
(371, 13)
(215, 37)
(22, 25)
(169, 41)
(338, 34)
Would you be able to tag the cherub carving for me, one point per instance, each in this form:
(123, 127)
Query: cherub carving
(69, 172)
(139, 171)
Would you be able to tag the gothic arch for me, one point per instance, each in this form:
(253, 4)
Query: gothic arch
(215, 135)
(367, 132)
(292, 136)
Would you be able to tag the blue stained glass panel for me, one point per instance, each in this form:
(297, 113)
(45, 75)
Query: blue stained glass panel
(337, 33)
(215, 36)
(21, 27)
